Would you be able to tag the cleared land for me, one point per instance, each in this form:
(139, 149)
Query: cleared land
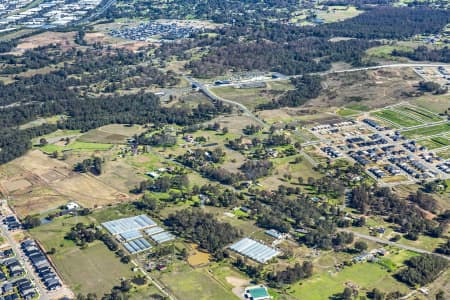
(434, 103)
(74, 146)
(396, 118)
(427, 131)
(189, 284)
(419, 112)
(435, 142)
(363, 275)
(91, 270)
(36, 183)
(338, 13)
(252, 97)
(111, 134)
(371, 89)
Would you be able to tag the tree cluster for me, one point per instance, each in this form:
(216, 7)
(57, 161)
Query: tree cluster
(202, 228)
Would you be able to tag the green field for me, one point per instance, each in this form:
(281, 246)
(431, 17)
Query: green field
(426, 131)
(385, 52)
(344, 112)
(445, 154)
(396, 118)
(435, 142)
(252, 97)
(95, 269)
(189, 284)
(365, 275)
(356, 106)
(419, 112)
(338, 13)
(76, 146)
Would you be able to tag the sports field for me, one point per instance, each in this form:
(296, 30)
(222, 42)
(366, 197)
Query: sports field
(397, 118)
(427, 131)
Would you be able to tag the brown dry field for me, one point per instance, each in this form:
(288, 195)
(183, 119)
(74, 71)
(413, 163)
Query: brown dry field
(111, 134)
(102, 38)
(36, 183)
(198, 258)
(234, 123)
(121, 175)
(65, 39)
(376, 88)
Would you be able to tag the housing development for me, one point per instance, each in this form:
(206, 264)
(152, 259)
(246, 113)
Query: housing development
(235, 149)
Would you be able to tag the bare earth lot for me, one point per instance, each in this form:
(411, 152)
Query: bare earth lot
(36, 183)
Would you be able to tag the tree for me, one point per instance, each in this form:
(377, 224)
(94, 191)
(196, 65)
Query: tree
(361, 246)
(440, 295)
(300, 180)
(347, 293)
(31, 222)
(43, 142)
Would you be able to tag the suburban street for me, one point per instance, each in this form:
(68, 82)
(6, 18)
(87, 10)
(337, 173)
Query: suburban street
(43, 294)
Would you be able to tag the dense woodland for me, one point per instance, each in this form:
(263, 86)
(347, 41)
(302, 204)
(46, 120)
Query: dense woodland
(422, 270)
(409, 217)
(306, 87)
(202, 228)
(423, 53)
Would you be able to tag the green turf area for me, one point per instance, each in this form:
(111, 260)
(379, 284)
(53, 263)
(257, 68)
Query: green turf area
(385, 51)
(187, 283)
(427, 131)
(396, 118)
(356, 106)
(338, 13)
(344, 112)
(94, 269)
(148, 291)
(76, 146)
(445, 154)
(435, 142)
(252, 97)
(326, 284)
(419, 112)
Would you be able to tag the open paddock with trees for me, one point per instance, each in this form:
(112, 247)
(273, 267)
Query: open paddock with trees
(92, 270)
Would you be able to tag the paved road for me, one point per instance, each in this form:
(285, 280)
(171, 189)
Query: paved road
(387, 66)
(98, 12)
(30, 272)
(401, 246)
(205, 90)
